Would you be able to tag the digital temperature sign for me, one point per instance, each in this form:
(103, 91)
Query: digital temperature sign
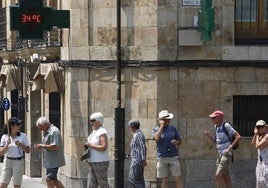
(31, 19)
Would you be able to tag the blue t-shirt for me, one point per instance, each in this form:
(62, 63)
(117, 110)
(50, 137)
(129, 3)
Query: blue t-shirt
(164, 146)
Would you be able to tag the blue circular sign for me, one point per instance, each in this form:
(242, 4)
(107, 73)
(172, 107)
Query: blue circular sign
(5, 104)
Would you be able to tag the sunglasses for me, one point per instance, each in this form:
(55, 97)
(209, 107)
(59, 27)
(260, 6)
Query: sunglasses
(92, 120)
(259, 127)
(214, 117)
(13, 125)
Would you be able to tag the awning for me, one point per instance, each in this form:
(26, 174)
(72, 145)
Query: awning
(49, 77)
(9, 77)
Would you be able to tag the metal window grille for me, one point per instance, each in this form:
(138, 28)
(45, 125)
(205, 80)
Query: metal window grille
(14, 103)
(53, 4)
(251, 22)
(247, 110)
(3, 29)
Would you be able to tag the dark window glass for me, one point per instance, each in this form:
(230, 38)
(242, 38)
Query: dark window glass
(54, 109)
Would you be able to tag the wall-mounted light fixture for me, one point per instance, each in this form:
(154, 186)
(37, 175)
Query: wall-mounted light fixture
(37, 58)
(228, 98)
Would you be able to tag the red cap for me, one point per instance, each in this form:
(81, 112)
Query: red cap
(216, 113)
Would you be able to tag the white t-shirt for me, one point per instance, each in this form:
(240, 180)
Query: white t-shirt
(94, 138)
(13, 149)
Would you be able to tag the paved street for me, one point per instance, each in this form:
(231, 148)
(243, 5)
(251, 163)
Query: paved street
(28, 182)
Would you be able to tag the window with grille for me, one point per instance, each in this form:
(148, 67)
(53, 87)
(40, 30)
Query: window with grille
(251, 22)
(54, 109)
(247, 110)
(53, 3)
(3, 29)
(14, 103)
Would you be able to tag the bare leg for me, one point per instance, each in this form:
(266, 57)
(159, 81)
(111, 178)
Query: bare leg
(178, 180)
(54, 183)
(50, 184)
(227, 181)
(58, 184)
(219, 180)
(164, 183)
(3, 185)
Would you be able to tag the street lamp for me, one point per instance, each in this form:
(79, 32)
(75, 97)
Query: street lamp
(119, 148)
(20, 89)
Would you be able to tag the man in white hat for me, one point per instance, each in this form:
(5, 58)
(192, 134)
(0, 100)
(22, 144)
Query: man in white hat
(167, 139)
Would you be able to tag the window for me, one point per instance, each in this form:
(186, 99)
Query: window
(14, 103)
(53, 4)
(251, 18)
(3, 30)
(247, 110)
(54, 109)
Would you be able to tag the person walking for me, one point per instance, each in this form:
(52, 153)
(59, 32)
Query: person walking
(52, 150)
(224, 147)
(260, 140)
(98, 161)
(137, 155)
(14, 144)
(167, 139)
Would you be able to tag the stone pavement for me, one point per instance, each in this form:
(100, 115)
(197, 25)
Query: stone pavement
(27, 182)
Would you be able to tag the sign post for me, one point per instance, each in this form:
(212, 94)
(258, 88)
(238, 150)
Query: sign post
(6, 105)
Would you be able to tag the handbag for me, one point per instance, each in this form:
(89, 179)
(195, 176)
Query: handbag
(86, 155)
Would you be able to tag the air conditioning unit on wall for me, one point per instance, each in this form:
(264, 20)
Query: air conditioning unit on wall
(189, 37)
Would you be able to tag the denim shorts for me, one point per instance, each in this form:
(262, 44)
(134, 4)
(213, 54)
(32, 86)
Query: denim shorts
(52, 173)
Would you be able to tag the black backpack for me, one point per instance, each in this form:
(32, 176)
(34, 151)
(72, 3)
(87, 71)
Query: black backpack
(227, 133)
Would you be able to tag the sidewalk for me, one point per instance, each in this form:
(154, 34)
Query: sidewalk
(27, 182)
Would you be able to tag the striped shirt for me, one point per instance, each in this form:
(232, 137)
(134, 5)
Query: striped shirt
(138, 148)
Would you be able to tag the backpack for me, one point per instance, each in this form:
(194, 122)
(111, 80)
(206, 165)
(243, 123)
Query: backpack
(227, 133)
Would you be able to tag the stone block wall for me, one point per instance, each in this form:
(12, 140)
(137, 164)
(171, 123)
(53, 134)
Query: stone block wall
(190, 93)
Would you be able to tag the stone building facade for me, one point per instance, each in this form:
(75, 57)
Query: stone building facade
(160, 70)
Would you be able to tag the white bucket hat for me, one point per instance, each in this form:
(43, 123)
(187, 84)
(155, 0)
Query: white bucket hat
(164, 114)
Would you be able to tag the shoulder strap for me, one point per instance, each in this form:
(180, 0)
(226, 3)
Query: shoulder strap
(225, 131)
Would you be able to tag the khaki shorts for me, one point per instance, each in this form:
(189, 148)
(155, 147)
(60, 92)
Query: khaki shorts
(168, 163)
(223, 164)
(13, 168)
